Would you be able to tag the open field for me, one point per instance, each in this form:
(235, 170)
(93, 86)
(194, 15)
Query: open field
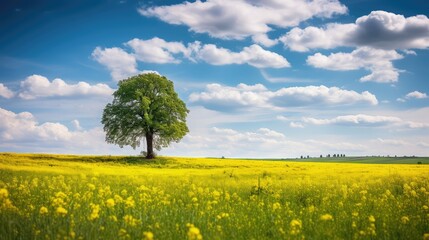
(95, 197)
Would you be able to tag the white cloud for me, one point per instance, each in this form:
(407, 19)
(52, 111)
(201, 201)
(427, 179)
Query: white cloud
(282, 118)
(230, 98)
(366, 120)
(76, 124)
(264, 40)
(379, 29)
(393, 142)
(245, 96)
(36, 86)
(6, 92)
(386, 30)
(379, 62)
(157, 50)
(320, 95)
(24, 129)
(22, 132)
(296, 125)
(416, 94)
(359, 119)
(242, 18)
(120, 63)
(253, 55)
(283, 79)
(328, 37)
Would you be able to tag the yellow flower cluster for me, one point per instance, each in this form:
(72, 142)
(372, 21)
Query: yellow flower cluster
(193, 232)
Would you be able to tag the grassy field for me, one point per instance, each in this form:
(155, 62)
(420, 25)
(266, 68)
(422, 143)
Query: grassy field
(103, 197)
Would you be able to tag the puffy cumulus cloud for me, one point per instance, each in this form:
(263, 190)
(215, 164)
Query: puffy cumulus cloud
(328, 37)
(264, 40)
(24, 132)
(379, 62)
(379, 29)
(225, 98)
(242, 18)
(120, 63)
(36, 86)
(416, 94)
(253, 55)
(366, 120)
(242, 96)
(157, 50)
(320, 95)
(5, 91)
(386, 30)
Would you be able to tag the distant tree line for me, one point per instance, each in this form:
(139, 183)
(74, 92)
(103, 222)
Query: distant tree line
(328, 156)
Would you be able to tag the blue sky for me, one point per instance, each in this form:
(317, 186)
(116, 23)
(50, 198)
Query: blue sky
(261, 78)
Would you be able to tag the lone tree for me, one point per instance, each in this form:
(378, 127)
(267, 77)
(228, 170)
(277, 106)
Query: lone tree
(145, 107)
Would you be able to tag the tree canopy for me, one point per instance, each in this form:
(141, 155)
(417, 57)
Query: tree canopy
(145, 107)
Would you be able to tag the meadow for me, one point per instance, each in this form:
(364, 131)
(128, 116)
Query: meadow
(108, 197)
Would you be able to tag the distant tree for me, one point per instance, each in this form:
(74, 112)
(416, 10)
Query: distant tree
(321, 156)
(329, 155)
(145, 107)
(335, 155)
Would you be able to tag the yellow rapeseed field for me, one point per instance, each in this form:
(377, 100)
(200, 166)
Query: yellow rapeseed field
(102, 197)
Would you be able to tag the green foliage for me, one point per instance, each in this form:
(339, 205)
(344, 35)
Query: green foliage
(145, 106)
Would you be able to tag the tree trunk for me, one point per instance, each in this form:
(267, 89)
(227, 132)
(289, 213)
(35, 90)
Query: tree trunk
(149, 145)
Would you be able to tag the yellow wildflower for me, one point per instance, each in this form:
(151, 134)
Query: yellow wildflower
(122, 233)
(113, 218)
(371, 219)
(4, 193)
(276, 206)
(60, 195)
(95, 212)
(405, 219)
(193, 232)
(130, 220)
(326, 217)
(118, 199)
(61, 211)
(110, 203)
(91, 186)
(295, 227)
(147, 235)
(426, 236)
(130, 203)
(43, 210)
(124, 192)
(216, 194)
